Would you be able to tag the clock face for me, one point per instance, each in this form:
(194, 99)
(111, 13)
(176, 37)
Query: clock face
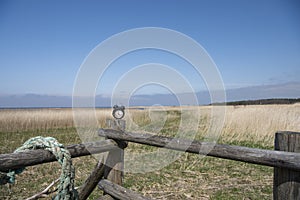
(118, 114)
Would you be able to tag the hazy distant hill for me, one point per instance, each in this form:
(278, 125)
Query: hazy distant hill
(261, 102)
(268, 94)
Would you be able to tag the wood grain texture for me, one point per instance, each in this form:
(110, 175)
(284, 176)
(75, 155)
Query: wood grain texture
(91, 182)
(115, 160)
(39, 156)
(105, 197)
(271, 158)
(119, 192)
(286, 182)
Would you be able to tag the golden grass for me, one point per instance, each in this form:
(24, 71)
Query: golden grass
(18, 120)
(252, 123)
(258, 124)
(255, 123)
(187, 178)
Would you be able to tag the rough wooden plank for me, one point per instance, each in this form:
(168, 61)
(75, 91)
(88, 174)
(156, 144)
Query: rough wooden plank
(39, 156)
(251, 155)
(114, 165)
(91, 182)
(119, 192)
(106, 197)
(115, 159)
(116, 124)
(286, 182)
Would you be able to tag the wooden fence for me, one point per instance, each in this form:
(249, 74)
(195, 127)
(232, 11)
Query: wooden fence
(108, 176)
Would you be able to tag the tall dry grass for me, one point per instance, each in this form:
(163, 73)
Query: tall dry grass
(18, 120)
(250, 124)
(259, 123)
(256, 123)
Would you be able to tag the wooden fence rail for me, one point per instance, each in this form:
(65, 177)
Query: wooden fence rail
(39, 156)
(271, 158)
(119, 192)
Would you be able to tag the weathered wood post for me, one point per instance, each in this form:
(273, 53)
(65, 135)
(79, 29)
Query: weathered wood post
(286, 182)
(114, 165)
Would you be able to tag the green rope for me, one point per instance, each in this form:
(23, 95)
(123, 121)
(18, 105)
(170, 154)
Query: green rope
(66, 190)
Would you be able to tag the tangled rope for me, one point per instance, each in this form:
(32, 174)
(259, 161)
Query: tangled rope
(66, 189)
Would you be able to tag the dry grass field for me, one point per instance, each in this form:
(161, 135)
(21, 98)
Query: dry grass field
(187, 178)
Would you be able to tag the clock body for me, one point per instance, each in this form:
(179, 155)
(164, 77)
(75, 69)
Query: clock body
(118, 112)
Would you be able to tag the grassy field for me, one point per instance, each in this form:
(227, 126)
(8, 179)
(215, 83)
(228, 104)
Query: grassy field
(189, 177)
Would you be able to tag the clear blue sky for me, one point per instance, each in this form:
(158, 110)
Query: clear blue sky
(43, 43)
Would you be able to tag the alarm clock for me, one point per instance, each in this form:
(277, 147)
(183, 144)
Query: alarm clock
(118, 112)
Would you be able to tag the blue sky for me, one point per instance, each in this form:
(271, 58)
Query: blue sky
(43, 43)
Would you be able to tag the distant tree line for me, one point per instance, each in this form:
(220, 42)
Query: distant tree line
(261, 102)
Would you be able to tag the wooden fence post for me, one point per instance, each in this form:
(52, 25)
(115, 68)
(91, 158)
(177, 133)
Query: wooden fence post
(286, 182)
(113, 170)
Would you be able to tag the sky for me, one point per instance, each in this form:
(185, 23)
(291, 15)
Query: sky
(44, 43)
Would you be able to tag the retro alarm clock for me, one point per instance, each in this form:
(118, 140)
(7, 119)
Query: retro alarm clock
(118, 112)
